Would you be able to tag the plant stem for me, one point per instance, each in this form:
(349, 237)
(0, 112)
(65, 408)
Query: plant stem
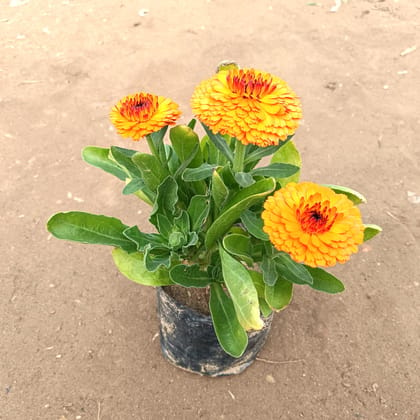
(238, 159)
(152, 147)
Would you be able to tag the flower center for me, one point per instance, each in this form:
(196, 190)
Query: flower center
(248, 84)
(317, 218)
(139, 107)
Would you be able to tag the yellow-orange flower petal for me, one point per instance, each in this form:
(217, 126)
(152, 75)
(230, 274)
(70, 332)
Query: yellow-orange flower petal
(251, 105)
(135, 116)
(313, 224)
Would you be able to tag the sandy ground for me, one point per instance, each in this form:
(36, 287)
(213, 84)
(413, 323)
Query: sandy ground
(79, 340)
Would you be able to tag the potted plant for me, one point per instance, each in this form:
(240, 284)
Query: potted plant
(239, 232)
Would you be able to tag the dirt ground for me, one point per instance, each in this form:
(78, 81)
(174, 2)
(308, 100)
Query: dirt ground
(79, 340)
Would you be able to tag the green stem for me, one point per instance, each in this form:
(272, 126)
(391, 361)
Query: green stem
(152, 147)
(239, 157)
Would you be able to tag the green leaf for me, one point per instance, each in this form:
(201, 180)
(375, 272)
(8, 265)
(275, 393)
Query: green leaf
(291, 270)
(242, 291)
(269, 270)
(352, 195)
(197, 174)
(325, 281)
(231, 335)
(192, 123)
(142, 239)
(279, 295)
(240, 246)
(254, 225)
(189, 276)
(264, 307)
(172, 159)
(255, 193)
(133, 186)
(244, 179)
(146, 195)
(157, 145)
(260, 152)
(155, 258)
(198, 210)
(228, 177)
(192, 239)
(288, 154)
(123, 158)
(371, 231)
(176, 239)
(132, 266)
(166, 200)
(258, 281)
(164, 225)
(211, 154)
(276, 170)
(219, 191)
(182, 222)
(90, 228)
(259, 284)
(236, 206)
(184, 164)
(186, 142)
(151, 171)
(99, 157)
(220, 142)
(158, 136)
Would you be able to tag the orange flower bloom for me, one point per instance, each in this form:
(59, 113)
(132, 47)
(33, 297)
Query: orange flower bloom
(313, 224)
(253, 106)
(141, 114)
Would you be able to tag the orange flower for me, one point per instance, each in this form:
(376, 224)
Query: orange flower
(253, 106)
(141, 114)
(313, 224)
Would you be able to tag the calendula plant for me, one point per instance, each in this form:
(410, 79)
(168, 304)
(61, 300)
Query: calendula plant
(248, 231)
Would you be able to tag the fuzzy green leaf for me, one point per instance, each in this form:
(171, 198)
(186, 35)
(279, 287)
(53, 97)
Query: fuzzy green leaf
(142, 239)
(189, 276)
(254, 225)
(291, 270)
(132, 266)
(279, 295)
(244, 179)
(90, 229)
(156, 257)
(186, 142)
(371, 231)
(99, 157)
(276, 170)
(198, 210)
(219, 191)
(259, 284)
(133, 186)
(229, 332)
(158, 136)
(164, 225)
(123, 157)
(192, 123)
(269, 270)
(236, 206)
(288, 154)
(324, 281)
(242, 291)
(220, 142)
(256, 155)
(352, 195)
(152, 172)
(197, 174)
(240, 246)
(166, 200)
